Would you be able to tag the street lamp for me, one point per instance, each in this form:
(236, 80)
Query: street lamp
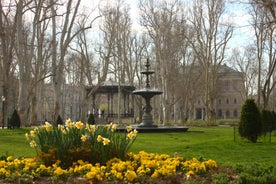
(3, 111)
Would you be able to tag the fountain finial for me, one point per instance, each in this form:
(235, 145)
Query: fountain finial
(147, 64)
(147, 73)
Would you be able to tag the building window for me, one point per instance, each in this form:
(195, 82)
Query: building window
(198, 102)
(235, 113)
(235, 101)
(227, 101)
(198, 113)
(219, 101)
(227, 85)
(219, 113)
(227, 113)
(235, 85)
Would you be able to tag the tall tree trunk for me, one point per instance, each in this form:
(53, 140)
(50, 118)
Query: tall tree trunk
(23, 68)
(55, 72)
(7, 37)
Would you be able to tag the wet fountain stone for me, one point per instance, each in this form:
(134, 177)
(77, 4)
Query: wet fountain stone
(147, 123)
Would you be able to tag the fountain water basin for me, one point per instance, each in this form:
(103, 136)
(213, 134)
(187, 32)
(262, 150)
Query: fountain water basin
(147, 92)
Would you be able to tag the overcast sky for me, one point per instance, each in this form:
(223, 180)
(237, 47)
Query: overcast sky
(236, 12)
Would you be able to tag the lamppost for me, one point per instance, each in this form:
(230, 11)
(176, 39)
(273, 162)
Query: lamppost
(3, 111)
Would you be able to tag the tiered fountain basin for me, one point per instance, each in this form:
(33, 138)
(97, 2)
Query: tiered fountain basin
(147, 123)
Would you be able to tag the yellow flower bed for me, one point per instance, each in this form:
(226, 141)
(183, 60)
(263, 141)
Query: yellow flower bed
(135, 166)
(78, 141)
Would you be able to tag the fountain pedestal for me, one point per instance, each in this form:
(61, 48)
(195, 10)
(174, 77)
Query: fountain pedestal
(147, 120)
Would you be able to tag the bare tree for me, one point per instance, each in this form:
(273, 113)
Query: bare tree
(269, 7)
(164, 23)
(209, 45)
(245, 62)
(39, 54)
(266, 54)
(117, 45)
(7, 45)
(61, 44)
(32, 57)
(86, 71)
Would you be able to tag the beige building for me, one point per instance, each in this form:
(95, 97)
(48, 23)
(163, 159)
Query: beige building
(229, 95)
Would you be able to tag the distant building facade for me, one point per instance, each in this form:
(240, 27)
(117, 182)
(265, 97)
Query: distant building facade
(71, 103)
(229, 95)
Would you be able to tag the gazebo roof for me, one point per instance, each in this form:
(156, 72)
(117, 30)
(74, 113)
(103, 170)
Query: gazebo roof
(111, 86)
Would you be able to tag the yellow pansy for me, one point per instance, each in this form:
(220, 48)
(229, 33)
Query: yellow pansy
(130, 175)
(59, 171)
(190, 173)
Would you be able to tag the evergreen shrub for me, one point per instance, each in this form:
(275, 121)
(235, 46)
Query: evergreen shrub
(59, 120)
(91, 119)
(250, 125)
(266, 121)
(15, 121)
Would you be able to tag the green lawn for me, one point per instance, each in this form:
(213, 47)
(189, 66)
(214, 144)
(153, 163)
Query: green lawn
(13, 142)
(215, 143)
(211, 143)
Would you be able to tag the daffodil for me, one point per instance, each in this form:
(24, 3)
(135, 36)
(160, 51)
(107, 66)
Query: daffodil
(113, 127)
(106, 141)
(128, 128)
(135, 132)
(92, 128)
(32, 133)
(79, 124)
(83, 138)
(33, 144)
(27, 136)
(36, 129)
(48, 126)
(109, 126)
(130, 135)
(68, 122)
(99, 138)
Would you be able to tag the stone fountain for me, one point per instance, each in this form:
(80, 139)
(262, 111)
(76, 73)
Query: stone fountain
(147, 93)
(147, 124)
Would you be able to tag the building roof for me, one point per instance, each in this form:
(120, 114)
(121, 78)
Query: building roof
(226, 69)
